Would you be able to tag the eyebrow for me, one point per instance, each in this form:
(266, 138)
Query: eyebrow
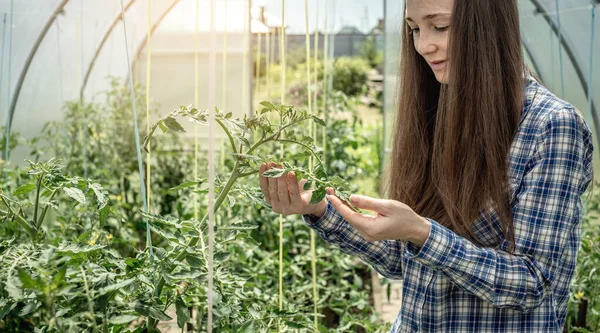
(429, 17)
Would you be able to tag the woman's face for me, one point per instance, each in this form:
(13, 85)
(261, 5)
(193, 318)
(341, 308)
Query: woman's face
(429, 21)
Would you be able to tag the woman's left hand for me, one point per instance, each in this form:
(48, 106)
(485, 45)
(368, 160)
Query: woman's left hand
(394, 220)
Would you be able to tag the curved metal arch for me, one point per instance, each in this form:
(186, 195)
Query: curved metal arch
(533, 58)
(107, 33)
(578, 70)
(59, 9)
(152, 30)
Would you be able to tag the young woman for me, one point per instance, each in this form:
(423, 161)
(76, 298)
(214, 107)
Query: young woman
(488, 167)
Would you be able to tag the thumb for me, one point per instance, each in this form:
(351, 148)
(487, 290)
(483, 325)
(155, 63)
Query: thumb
(368, 203)
(301, 184)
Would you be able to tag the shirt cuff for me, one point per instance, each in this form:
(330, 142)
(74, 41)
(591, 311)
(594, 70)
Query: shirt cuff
(327, 222)
(434, 252)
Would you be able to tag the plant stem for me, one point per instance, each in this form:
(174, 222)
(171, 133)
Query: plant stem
(38, 186)
(90, 299)
(305, 146)
(242, 175)
(231, 141)
(273, 136)
(21, 221)
(39, 223)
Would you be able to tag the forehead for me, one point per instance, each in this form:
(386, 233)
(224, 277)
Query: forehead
(416, 9)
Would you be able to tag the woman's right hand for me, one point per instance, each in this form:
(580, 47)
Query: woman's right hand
(287, 195)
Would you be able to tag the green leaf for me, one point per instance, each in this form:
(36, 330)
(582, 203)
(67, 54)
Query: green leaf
(75, 193)
(184, 275)
(244, 141)
(115, 286)
(173, 125)
(29, 308)
(176, 238)
(25, 189)
(308, 185)
(100, 194)
(187, 184)
(294, 324)
(239, 227)
(122, 319)
(319, 172)
(75, 248)
(6, 306)
(150, 311)
(318, 120)
(268, 105)
(231, 201)
(247, 327)
(248, 157)
(58, 278)
(221, 256)
(27, 280)
(307, 139)
(194, 261)
(103, 215)
(273, 173)
(317, 196)
(183, 314)
(254, 311)
(162, 126)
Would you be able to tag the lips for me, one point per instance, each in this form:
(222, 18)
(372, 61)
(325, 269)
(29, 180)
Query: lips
(437, 65)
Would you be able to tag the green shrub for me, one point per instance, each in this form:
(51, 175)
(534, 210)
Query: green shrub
(350, 75)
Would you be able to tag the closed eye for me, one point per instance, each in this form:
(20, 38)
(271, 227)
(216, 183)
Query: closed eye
(442, 29)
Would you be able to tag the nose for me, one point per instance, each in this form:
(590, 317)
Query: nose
(425, 44)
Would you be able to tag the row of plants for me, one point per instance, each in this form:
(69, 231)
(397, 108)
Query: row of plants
(583, 313)
(73, 250)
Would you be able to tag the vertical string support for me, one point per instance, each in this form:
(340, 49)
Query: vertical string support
(7, 128)
(283, 78)
(245, 55)
(325, 86)
(224, 76)
(137, 133)
(267, 65)
(257, 74)
(313, 125)
(591, 78)
(148, 59)
(224, 88)
(560, 47)
(211, 162)
(246, 86)
(196, 143)
(552, 60)
(310, 167)
(79, 33)
(258, 63)
(60, 67)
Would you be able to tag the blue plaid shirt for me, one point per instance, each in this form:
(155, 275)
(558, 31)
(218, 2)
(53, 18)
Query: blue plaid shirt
(453, 285)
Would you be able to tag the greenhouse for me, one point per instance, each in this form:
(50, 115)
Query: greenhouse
(148, 146)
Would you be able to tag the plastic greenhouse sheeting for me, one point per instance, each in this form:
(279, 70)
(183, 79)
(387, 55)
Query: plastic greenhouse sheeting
(87, 31)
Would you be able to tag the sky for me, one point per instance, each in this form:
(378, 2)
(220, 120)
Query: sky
(363, 14)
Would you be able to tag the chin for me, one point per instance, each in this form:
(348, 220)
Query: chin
(441, 78)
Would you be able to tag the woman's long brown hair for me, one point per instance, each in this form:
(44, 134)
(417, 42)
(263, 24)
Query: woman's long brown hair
(450, 151)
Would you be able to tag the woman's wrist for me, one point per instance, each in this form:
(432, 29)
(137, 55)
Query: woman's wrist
(320, 209)
(420, 232)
